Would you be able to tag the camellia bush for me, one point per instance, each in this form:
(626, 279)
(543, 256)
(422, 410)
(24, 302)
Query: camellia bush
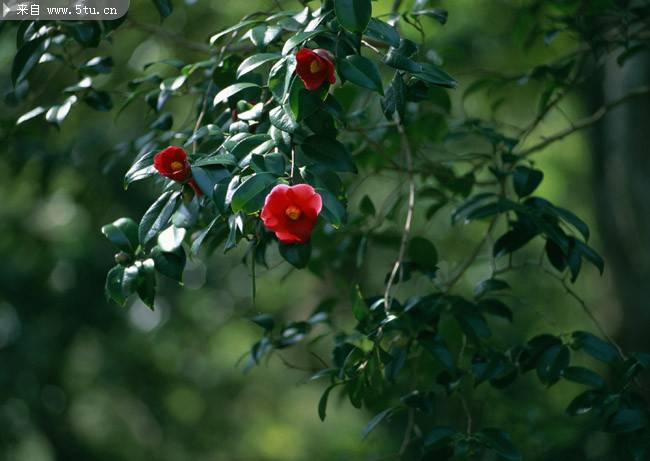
(293, 111)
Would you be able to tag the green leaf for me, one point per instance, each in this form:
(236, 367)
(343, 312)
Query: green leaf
(142, 168)
(235, 28)
(253, 62)
(501, 442)
(383, 32)
(146, 285)
(526, 180)
(27, 58)
(249, 196)
(296, 254)
(328, 152)
(422, 252)
(283, 120)
(298, 39)
(57, 114)
(171, 238)
(585, 402)
(627, 420)
(374, 422)
(113, 287)
(433, 74)
(98, 65)
(31, 114)
(99, 100)
(247, 144)
(333, 210)
(263, 35)
(583, 375)
(590, 254)
(552, 362)
(596, 347)
(322, 403)
(157, 216)
(496, 307)
(572, 219)
(122, 233)
(232, 90)
(395, 98)
(164, 7)
(353, 15)
(362, 72)
(207, 178)
(170, 263)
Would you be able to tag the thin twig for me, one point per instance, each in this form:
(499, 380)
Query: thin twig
(408, 153)
(587, 121)
(468, 263)
(199, 119)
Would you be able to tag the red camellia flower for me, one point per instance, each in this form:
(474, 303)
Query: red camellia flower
(291, 212)
(314, 67)
(172, 163)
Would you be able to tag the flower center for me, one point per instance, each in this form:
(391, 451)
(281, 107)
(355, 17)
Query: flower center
(315, 66)
(293, 213)
(176, 165)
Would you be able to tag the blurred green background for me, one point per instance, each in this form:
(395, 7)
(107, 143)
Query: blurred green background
(81, 379)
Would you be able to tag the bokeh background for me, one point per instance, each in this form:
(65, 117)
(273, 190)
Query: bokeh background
(81, 379)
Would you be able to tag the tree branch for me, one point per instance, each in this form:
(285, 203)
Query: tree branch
(408, 153)
(587, 121)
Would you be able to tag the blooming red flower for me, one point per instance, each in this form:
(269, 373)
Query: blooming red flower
(314, 67)
(172, 163)
(291, 212)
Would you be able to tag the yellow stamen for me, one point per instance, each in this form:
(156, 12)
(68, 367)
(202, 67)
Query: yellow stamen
(176, 165)
(293, 213)
(314, 67)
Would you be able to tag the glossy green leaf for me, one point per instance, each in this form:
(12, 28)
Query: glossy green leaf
(361, 71)
(374, 422)
(596, 347)
(28, 57)
(583, 375)
(526, 180)
(296, 254)
(113, 287)
(257, 60)
(122, 233)
(249, 196)
(383, 32)
(170, 263)
(353, 15)
(157, 216)
(327, 152)
(232, 90)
